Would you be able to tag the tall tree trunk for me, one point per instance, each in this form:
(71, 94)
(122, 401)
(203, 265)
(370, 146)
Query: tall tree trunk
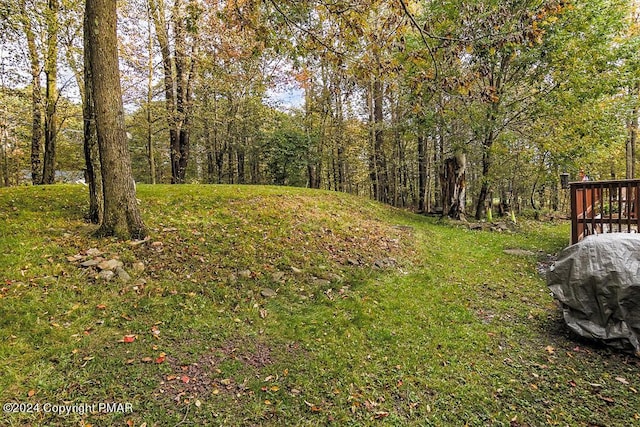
(150, 149)
(36, 97)
(93, 172)
(484, 188)
(178, 72)
(422, 174)
(4, 146)
(240, 166)
(121, 215)
(373, 175)
(429, 146)
(631, 144)
(380, 159)
(180, 155)
(157, 9)
(51, 74)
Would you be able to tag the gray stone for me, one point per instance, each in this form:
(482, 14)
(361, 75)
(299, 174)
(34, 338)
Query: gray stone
(268, 293)
(94, 252)
(90, 263)
(122, 274)
(106, 275)
(138, 266)
(111, 264)
(384, 263)
(278, 276)
(321, 282)
(330, 276)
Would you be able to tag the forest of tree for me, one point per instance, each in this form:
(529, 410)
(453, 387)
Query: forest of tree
(439, 106)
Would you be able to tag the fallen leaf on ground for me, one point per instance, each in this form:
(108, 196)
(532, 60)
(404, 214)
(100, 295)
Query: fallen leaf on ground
(607, 399)
(314, 408)
(129, 338)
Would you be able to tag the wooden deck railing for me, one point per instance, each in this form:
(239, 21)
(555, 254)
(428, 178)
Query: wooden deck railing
(604, 207)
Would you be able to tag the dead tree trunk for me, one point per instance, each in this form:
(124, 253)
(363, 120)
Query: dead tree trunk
(454, 187)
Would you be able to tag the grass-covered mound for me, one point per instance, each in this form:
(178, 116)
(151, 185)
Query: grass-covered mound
(275, 306)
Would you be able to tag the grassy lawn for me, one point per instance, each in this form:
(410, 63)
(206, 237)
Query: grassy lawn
(277, 306)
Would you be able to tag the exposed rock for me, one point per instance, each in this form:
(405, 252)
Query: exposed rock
(139, 242)
(122, 274)
(268, 293)
(501, 226)
(94, 252)
(330, 276)
(320, 282)
(106, 275)
(385, 263)
(138, 266)
(91, 262)
(111, 264)
(278, 276)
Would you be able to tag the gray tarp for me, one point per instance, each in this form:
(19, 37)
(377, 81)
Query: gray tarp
(598, 283)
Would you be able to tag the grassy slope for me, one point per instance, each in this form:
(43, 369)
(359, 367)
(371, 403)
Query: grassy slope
(455, 332)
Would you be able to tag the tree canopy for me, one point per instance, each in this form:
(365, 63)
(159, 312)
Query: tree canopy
(383, 97)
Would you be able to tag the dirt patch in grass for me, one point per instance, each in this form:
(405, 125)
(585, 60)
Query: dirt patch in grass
(207, 376)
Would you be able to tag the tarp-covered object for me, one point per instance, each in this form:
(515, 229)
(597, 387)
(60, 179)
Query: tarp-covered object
(598, 283)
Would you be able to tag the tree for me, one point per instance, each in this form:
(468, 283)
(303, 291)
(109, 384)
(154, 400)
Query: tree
(36, 93)
(51, 93)
(179, 68)
(121, 214)
(93, 169)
